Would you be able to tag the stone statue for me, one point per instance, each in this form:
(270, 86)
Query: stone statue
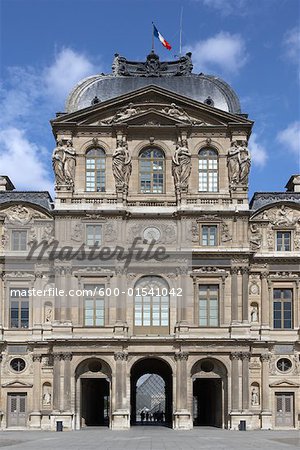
(181, 165)
(48, 313)
(255, 396)
(245, 163)
(58, 163)
(63, 162)
(254, 314)
(121, 165)
(69, 163)
(46, 395)
(255, 238)
(125, 113)
(238, 163)
(233, 163)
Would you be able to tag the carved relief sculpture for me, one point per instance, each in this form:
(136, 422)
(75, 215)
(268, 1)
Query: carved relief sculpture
(254, 313)
(47, 396)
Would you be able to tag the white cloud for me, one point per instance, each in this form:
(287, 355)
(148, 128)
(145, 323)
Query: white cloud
(258, 152)
(291, 43)
(28, 99)
(290, 138)
(68, 68)
(227, 7)
(21, 160)
(224, 52)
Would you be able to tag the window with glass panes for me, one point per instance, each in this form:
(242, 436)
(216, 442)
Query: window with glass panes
(282, 308)
(283, 241)
(209, 235)
(94, 305)
(19, 308)
(151, 305)
(208, 170)
(95, 170)
(19, 240)
(208, 305)
(152, 168)
(93, 235)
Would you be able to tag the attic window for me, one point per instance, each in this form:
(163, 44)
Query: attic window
(95, 101)
(209, 101)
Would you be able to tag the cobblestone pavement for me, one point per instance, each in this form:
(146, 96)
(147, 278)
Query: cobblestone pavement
(145, 438)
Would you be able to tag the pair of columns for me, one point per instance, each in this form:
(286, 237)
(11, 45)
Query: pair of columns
(236, 357)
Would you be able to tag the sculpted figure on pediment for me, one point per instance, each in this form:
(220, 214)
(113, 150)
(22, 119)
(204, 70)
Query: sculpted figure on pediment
(177, 112)
(19, 214)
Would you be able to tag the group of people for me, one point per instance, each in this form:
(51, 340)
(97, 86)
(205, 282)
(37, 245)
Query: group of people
(157, 416)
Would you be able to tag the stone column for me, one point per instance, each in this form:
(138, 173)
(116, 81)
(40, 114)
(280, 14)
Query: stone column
(57, 287)
(265, 319)
(235, 401)
(266, 415)
(67, 358)
(1, 411)
(245, 380)
(121, 414)
(35, 416)
(56, 381)
(265, 358)
(245, 301)
(185, 294)
(234, 294)
(182, 415)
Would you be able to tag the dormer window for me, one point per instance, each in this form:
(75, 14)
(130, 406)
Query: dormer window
(152, 171)
(95, 170)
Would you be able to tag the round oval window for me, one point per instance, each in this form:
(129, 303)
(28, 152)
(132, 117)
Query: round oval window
(18, 364)
(284, 364)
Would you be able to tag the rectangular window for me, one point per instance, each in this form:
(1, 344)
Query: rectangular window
(19, 240)
(94, 305)
(283, 241)
(93, 235)
(282, 308)
(208, 305)
(209, 235)
(19, 308)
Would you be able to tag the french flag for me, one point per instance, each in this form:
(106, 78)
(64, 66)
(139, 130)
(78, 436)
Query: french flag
(161, 38)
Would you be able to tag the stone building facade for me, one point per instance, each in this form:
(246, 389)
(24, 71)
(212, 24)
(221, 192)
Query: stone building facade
(150, 158)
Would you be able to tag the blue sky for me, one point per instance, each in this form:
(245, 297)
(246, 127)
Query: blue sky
(49, 45)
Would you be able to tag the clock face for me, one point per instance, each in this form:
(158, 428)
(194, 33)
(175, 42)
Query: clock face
(151, 234)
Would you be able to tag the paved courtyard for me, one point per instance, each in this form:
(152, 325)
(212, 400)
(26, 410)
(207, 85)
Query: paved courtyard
(146, 438)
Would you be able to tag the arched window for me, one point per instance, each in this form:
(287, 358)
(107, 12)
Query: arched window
(152, 170)
(208, 170)
(151, 306)
(95, 170)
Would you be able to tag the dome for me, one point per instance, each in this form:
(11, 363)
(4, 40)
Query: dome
(175, 76)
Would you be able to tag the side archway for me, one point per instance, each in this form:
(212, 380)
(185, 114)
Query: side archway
(210, 393)
(93, 393)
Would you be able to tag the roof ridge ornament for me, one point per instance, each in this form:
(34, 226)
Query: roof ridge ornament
(152, 67)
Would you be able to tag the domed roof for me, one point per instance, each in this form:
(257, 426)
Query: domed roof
(175, 76)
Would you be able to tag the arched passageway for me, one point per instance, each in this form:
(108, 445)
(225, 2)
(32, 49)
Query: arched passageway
(209, 393)
(93, 379)
(151, 392)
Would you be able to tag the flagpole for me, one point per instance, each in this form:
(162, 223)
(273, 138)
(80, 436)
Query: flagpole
(152, 36)
(180, 32)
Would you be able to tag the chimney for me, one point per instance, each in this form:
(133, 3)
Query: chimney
(293, 185)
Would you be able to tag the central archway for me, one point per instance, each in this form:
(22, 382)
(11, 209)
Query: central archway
(151, 392)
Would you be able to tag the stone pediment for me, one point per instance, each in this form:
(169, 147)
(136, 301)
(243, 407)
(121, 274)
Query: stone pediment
(132, 108)
(21, 214)
(17, 384)
(282, 215)
(285, 383)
